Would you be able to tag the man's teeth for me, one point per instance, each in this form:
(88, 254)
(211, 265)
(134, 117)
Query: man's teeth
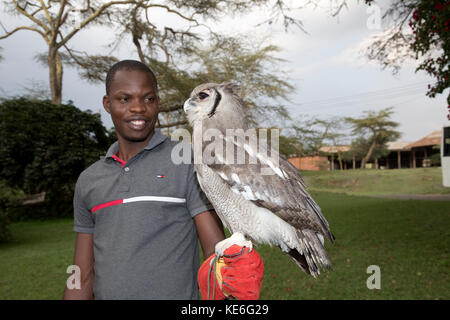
(138, 122)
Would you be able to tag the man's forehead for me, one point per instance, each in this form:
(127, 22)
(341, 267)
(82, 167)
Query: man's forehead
(130, 78)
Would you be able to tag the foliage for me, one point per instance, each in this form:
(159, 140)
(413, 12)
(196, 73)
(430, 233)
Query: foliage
(57, 22)
(430, 23)
(376, 128)
(8, 196)
(418, 29)
(361, 145)
(289, 147)
(45, 147)
(250, 63)
(313, 133)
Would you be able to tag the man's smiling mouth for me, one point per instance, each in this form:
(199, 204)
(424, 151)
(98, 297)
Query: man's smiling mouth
(137, 124)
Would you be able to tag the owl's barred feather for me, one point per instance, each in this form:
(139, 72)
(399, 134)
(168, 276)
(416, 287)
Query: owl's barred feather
(272, 208)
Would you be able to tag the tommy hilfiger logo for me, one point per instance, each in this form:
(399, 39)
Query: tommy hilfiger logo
(161, 176)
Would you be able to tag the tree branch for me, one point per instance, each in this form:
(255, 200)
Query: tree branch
(171, 11)
(23, 28)
(98, 12)
(31, 17)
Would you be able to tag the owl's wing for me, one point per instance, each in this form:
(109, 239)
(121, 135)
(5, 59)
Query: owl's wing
(270, 181)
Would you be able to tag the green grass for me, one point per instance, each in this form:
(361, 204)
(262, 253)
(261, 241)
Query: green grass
(407, 239)
(377, 182)
(33, 265)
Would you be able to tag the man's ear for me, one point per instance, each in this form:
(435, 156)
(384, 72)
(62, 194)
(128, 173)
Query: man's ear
(106, 104)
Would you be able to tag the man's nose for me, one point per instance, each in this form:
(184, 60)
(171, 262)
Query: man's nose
(137, 106)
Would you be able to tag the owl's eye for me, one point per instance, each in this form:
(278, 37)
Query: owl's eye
(203, 95)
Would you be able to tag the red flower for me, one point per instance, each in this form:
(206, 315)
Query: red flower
(439, 6)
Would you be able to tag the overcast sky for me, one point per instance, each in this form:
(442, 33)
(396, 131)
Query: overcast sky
(330, 77)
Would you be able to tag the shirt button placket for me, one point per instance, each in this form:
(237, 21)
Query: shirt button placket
(126, 180)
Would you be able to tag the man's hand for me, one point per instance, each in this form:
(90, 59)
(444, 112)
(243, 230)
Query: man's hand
(236, 275)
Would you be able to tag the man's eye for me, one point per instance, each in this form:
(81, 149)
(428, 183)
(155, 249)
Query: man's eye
(203, 95)
(124, 99)
(150, 99)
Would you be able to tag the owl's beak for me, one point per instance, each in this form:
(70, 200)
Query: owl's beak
(187, 105)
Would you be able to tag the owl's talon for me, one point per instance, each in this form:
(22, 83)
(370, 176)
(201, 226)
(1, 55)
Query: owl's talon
(236, 238)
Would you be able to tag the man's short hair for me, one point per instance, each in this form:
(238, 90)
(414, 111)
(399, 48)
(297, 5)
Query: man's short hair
(129, 65)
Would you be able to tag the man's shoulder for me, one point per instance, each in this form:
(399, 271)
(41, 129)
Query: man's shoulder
(91, 171)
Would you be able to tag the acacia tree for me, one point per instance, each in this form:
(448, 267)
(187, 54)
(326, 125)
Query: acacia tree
(420, 30)
(375, 127)
(313, 133)
(58, 21)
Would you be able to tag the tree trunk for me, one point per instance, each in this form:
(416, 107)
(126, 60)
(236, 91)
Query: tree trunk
(368, 155)
(340, 161)
(56, 73)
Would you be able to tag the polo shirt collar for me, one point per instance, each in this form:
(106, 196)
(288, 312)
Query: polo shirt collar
(155, 141)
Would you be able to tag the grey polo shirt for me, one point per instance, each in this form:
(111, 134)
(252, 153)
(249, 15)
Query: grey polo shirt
(141, 215)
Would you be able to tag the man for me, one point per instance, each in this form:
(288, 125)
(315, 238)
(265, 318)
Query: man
(136, 214)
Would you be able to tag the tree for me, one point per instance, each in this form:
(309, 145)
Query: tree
(418, 29)
(314, 133)
(251, 64)
(376, 128)
(44, 148)
(57, 22)
(359, 147)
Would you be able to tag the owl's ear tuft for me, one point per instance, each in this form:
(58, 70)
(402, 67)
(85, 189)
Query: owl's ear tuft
(231, 87)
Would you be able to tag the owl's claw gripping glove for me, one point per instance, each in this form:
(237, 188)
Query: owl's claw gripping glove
(238, 274)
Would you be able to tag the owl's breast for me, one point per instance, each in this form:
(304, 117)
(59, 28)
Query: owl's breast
(233, 209)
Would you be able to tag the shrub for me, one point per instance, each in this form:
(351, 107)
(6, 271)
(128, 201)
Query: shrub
(44, 147)
(9, 197)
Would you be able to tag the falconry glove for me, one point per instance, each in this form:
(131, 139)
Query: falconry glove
(238, 274)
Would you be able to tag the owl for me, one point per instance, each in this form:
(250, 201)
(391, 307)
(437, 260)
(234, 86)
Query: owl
(259, 196)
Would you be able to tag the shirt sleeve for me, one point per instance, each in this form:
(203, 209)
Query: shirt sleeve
(196, 200)
(83, 220)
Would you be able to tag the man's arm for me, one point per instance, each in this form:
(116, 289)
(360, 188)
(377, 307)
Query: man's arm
(209, 230)
(84, 258)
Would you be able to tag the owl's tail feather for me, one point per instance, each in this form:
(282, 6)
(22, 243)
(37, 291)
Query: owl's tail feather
(313, 251)
(299, 259)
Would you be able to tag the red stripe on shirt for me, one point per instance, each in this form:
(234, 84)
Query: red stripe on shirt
(122, 163)
(107, 204)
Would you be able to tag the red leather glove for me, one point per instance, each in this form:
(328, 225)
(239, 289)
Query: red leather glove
(236, 275)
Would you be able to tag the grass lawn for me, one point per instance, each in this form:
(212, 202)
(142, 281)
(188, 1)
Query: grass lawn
(407, 239)
(377, 182)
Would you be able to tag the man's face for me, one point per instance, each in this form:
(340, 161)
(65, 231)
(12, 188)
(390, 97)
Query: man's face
(133, 104)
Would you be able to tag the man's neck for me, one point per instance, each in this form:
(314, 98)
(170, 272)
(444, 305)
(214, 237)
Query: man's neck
(128, 149)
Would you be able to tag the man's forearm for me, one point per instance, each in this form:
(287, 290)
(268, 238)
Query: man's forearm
(86, 291)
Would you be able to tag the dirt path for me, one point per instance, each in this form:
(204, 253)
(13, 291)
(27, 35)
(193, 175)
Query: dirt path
(434, 197)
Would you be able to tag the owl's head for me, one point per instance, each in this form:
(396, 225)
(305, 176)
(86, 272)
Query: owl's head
(217, 105)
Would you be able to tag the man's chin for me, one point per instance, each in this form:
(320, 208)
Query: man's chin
(139, 138)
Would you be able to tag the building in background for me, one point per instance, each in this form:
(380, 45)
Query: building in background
(422, 153)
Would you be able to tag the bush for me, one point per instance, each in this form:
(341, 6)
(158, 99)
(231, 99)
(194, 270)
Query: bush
(44, 147)
(9, 197)
(5, 234)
